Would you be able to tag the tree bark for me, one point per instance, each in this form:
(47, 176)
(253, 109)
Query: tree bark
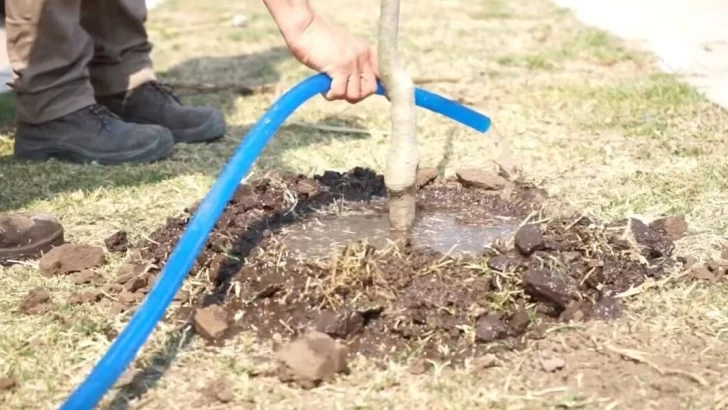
(403, 157)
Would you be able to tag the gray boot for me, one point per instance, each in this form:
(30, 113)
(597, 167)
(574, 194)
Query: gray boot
(151, 103)
(93, 134)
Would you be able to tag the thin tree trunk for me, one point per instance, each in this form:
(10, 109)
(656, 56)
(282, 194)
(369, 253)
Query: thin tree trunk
(403, 156)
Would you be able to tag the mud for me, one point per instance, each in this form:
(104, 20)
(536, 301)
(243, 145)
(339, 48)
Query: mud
(418, 301)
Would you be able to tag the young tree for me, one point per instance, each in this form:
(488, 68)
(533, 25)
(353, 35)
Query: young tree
(403, 157)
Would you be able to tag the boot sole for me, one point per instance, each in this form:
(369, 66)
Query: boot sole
(34, 250)
(212, 129)
(44, 151)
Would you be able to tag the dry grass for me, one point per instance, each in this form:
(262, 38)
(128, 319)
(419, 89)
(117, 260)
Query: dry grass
(589, 119)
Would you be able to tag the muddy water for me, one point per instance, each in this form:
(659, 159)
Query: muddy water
(321, 236)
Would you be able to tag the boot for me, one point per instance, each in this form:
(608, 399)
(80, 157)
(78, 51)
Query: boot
(151, 103)
(93, 134)
(27, 235)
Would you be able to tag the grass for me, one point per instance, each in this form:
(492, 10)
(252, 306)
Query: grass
(583, 115)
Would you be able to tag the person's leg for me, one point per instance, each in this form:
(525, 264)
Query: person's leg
(123, 77)
(27, 235)
(56, 111)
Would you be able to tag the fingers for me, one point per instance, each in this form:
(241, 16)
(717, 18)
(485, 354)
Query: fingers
(339, 83)
(357, 80)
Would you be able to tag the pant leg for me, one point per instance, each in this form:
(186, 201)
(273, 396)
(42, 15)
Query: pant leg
(48, 52)
(121, 47)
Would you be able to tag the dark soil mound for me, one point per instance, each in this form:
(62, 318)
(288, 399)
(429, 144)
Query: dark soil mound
(414, 301)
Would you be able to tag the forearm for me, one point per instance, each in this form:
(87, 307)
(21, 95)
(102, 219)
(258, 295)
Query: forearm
(291, 16)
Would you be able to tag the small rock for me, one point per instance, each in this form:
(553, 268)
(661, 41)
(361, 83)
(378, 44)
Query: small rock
(552, 364)
(648, 241)
(306, 188)
(425, 176)
(501, 263)
(311, 359)
(220, 390)
(519, 322)
(90, 296)
(554, 287)
(481, 179)
(135, 284)
(118, 308)
(489, 328)
(112, 288)
(8, 383)
(420, 366)
(340, 325)
(69, 258)
(674, 227)
(118, 242)
(687, 261)
(36, 302)
(572, 312)
(239, 20)
(127, 272)
(88, 276)
(529, 239)
(211, 322)
(724, 254)
(127, 297)
(485, 362)
(701, 272)
(606, 308)
(712, 265)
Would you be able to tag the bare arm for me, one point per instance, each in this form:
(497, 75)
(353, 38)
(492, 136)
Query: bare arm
(291, 16)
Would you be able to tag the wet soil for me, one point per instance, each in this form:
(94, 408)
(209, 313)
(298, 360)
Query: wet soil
(416, 301)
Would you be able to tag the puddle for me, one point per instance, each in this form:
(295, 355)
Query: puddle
(319, 237)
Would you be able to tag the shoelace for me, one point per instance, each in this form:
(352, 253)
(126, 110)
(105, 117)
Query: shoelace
(163, 89)
(101, 114)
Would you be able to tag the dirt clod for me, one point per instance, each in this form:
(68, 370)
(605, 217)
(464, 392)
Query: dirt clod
(8, 383)
(37, 301)
(481, 179)
(553, 287)
(135, 283)
(311, 359)
(647, 240)
(118, 242)
(674, 227)
(552, 364)
(529, 239)
(489, 328)
(425, 176)
(90, 296)
(220, 390)
(69, 258)
(87, 276)
(211, 322)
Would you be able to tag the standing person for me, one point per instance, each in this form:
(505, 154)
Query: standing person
(86, 90)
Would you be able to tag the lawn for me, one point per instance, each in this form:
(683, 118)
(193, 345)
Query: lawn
(581, 114)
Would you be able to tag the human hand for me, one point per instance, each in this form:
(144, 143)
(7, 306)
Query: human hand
(349, 61)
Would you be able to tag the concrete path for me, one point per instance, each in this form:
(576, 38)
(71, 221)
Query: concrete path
(689, 36)
(5, 71)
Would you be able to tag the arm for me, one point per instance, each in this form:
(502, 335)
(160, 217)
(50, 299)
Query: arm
(292, 17)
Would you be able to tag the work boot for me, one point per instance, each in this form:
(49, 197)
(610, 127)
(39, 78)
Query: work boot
(151, 103)
(27, 235)
(93, 134)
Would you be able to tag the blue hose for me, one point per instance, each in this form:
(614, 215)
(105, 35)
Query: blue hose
(127, 345)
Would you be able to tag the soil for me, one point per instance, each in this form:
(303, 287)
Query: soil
(118, 242)
(412, 302)
(69, 258)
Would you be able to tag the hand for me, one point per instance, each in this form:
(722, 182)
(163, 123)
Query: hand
(350, 62)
